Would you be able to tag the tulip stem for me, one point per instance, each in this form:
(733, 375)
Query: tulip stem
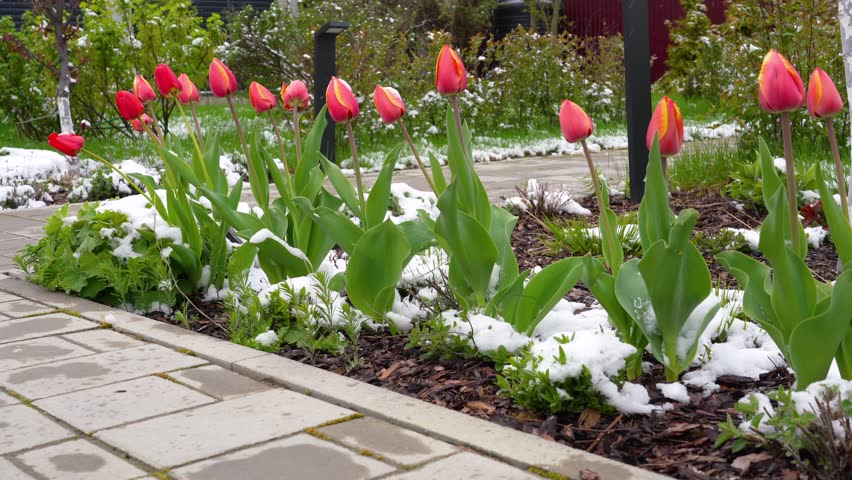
(417, 156)
(197, 125)
(207, 177)
(171, 176)
(155, 121)
(793, 210)
(357, 168)
(604, 218)
(459, 128)
(239, 129)
(838, 165)
(127, 179)
(283, 154)
(298, 133)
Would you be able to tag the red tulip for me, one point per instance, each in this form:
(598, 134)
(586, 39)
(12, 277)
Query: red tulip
(781, 87)
(823, 98)
(388, 103)
(450, 74)
(137, 122)
(166, 80)
(128, 105)
(667, 124)
(342, 105)
(143, 90)
(296, 96)
(188, 91)
(67, 143)
(576, 125)
(261, 98)
(222, 80)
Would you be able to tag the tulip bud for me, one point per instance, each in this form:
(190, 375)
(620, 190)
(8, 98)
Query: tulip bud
(128, 105)
(388, 103)
(166, 80)
(450, 74)
(137, 122)
(823, 98)
(576, 124)
(188, 91)
(222, 80)
(143, 90)
(341, 102)
(781, 87)
(67, 143)
(667, 124)
(296, 96)
(283, 92)
(261, 98)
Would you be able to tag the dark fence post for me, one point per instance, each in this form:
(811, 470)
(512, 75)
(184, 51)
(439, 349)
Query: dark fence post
(325, 63)
(637, 72)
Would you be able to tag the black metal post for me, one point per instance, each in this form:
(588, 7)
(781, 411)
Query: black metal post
(325, 59)
(637, 73)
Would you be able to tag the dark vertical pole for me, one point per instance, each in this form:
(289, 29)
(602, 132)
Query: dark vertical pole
(637, 72)
(325, 60)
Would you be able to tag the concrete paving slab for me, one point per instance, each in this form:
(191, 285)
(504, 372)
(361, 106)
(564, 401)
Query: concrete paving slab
(94, 371)
(78, 460)
(8, 297)
(210, 430)
(8, 471)
(123, 402)
(41, 326)
(299, 457)
(40, 350)
(23, 427)
(23, 308)
(7, 400)
(466, 466)
(218, 382)
(391, 442)
(103, 340)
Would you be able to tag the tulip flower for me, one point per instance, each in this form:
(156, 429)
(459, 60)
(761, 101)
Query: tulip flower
(188, 90)
(667, 124)
(129, 105)
(295, 96)
(166, 80)
(222, 80)
(137, 122)
(781, 91)
(341, 102)
(143, 90)
(282, 92)
(262, 100)
(67, 143)
(576, 125)
(824, 102)
(450, 74)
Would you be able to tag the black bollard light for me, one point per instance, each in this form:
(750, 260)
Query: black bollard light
(325, 58)
(637, 73)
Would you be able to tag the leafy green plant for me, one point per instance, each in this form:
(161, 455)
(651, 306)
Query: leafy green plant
(579, 237)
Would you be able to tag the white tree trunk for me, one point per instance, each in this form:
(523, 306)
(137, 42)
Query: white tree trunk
(292, 4)
(845, 18)
(63, 107)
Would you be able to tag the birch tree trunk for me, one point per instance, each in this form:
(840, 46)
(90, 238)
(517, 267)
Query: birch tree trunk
(292, 4)
(845, 18)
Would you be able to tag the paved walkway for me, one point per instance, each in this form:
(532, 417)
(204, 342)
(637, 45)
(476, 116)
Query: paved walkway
(88, 392)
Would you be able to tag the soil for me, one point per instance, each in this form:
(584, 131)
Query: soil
(679, 442)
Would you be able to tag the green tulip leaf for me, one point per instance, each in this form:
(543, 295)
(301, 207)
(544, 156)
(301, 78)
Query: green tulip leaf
(379, 197)
(375, 269)
(841, 231)
(655, 216)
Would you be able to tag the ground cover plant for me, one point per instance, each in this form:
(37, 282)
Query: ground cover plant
(628, 354)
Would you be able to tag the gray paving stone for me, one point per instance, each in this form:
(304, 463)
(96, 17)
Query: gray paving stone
(103, 340)
(22, 427)
(41, 326)
(23, 308)
(213, 429)
(10, 472)
(466, 466)
(8, 297)
(94, 371)
(218, 382)
(123, 402)
(7, 400)
(78, 460)
(394, 443)
(299, 457)
(36, 351)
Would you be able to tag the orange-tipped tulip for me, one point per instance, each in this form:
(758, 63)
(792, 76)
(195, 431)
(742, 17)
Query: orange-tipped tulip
(823, 98)
(576, 125)
(781, 87)
(222, 80)
(388, 103)
(342, 105)
(296, 96)
(450, 74)
(261, 98)
(667, 124)
(67, 143)
(129, 105)
(143, 90)
(166, 80)
(188, 91)
(137, 122)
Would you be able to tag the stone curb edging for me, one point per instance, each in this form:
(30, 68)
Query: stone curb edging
(506, 444)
